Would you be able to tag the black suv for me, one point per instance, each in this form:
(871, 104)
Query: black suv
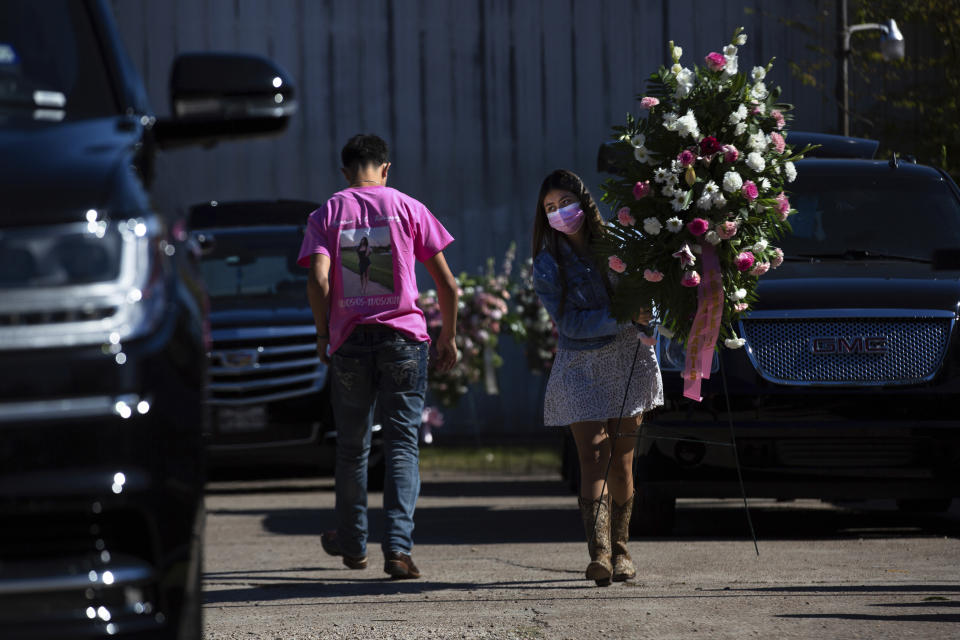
(849, 382)
(103, 333)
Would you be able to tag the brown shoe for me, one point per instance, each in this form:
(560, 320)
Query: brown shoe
(328, 540)
(400, 566)
(596, 523)
(623, 568)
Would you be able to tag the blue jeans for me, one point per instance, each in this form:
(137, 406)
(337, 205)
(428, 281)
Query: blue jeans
(382, 365)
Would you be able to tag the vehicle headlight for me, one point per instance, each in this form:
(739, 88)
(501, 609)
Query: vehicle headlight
(99, 281)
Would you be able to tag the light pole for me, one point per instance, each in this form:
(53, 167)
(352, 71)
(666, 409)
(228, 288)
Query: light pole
(891, 48)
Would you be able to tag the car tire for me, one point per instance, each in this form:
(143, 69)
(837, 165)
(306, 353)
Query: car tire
(924, 505)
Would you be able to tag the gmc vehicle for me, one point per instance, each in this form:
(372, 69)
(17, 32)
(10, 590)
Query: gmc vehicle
(269, 392)
(848, 386)
(103, 334)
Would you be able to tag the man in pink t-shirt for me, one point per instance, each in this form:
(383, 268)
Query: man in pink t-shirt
(361, 248)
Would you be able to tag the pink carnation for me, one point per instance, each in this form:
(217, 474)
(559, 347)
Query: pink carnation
(686, 157)
(715, 61)
(649, 103)
(740, 307)
(624, 217)
(690, 279)
(651, 275)
(778, 142)
(698, 226)
(730, 153)
(641, 189)
(760, 268)
(783, 205)
(744, 261)
(749, 190)
(727, 230)
(616, 264)
(777, 258)
(777, 115)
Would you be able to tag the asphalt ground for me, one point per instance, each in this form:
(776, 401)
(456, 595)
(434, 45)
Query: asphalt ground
(503, 557)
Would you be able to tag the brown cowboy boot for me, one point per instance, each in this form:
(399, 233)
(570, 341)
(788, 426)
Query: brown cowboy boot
(623, 568)
(598, 539)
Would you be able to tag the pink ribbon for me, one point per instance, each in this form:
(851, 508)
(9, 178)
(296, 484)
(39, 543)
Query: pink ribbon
(706, 325)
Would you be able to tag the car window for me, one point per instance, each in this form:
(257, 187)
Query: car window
(899, 216)
(51, 66)
(254, 263)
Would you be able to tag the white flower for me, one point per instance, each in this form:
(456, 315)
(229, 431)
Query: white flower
(732, 182)
(740, 39)
(638, 140)
(757, 141)
(711, 188)
(719, 201)
(734, 343)
(679, 201)
(652, 226)
(669, 121)
(684, 83)
(676, 68)
(737, 295)
(687, 125)
(755, 161)
(739, 115)
(790, 170)
(674, 225)
(740, 128)
(712, 237)
(758, 74)
(759, 91)
(675, 168)
(641, 154)
(730, 69)
(765, 184)
(729, 50)
(667, 190)
(660, 175)
(677, 52)
(760, 108)
(760, 246)
(704, 202)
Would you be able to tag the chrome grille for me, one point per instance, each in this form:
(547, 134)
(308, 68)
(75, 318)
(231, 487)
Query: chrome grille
(780, 348)
(256, 365)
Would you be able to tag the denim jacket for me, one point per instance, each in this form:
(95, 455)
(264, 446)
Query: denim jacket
(586, 322)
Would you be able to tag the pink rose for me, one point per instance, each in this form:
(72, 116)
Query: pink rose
(740, 307)
(624, 217)
(730, 153)
(651, 275)
(760, 268)
(727, 230)
(641, 189)
(709, 146)
(690, 279)
(616, 264)
(715, 61)
(698, 226)
(777, 115)
(745, 260)
(777, 258)
(686, 157)
(757, 110)
(783, 205)
(649, 103)
(778, 142)
(749, 190)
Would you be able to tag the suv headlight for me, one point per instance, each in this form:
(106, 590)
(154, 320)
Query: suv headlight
(82, 283)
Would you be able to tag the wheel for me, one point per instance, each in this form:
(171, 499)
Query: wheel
(924, 505)
(654, 513)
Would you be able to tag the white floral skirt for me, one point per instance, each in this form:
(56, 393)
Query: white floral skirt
(590, 385)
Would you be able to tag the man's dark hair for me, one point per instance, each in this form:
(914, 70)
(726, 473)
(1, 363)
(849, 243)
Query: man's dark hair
(362, 150)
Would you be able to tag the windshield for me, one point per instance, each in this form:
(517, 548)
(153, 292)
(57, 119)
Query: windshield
(255, 263)
(896, 216)
(51, 67)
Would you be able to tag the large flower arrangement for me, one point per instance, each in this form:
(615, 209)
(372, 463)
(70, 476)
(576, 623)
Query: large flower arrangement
(699, 195)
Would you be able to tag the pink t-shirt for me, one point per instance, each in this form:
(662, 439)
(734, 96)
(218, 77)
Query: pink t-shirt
(373, 235)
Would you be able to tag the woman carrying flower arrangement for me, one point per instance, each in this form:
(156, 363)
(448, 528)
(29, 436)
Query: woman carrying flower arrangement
(587, 388)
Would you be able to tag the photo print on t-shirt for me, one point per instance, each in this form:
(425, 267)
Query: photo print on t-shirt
(366, 262)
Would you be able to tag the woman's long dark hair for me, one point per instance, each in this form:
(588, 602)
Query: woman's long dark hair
(546, 238)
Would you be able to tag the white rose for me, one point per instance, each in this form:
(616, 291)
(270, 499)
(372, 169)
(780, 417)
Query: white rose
(732, 182)
(652, 226)
(791, 171)
(758, 74)
(755, 161)
(712, 237)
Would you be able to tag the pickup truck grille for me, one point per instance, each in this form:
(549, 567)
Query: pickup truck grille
(262, 364)
(847, 351)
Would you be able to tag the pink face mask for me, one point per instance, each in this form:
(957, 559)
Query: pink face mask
(567, 220)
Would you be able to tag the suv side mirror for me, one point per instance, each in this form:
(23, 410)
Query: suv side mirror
(220, 96)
